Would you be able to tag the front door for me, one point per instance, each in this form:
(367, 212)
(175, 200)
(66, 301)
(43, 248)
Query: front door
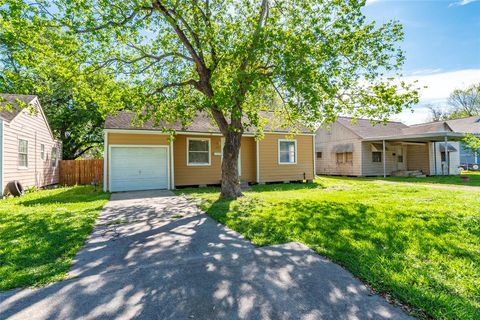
(400, 158)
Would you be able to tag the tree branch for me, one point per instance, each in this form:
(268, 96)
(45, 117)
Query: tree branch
(181, 35)
(178, 84)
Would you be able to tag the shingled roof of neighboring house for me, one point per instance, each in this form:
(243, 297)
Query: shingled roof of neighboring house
(202, 123)
(9, 107)
(365, 129)
(465, 125)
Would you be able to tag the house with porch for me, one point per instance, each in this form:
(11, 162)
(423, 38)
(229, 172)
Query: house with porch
(361, 148)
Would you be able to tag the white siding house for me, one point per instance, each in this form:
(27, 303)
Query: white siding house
(358, 147)
(29, 152)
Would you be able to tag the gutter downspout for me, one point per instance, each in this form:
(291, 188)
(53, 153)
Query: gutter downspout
(384, 158)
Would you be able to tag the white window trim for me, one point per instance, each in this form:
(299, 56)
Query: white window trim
(42, 151)
(56, 157)
(209, 152)
(278, 150)
(18, 154)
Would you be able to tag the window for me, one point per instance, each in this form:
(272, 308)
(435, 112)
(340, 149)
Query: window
(42, 151)
(22, 153)
(349, 157)
(339, 157)
(319, 155)
(443, 157)
(287, 151)
(376, 156)
(198, 152)
(400, 159)
(54, 157)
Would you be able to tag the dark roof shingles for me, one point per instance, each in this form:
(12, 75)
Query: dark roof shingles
(202, 123)
(12, 100)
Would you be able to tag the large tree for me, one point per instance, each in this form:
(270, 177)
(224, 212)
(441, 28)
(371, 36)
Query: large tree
(38, 57)
(232, 58)
(465, 102)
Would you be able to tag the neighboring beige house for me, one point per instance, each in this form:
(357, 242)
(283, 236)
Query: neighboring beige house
(141, 158)
(359, 148)
(28, 151)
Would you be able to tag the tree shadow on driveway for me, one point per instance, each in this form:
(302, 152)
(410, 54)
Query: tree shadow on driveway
(160, 258)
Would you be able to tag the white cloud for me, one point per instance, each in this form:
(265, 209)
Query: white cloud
(440, 85)
(370, 2)
(461, 3)
(438, 88)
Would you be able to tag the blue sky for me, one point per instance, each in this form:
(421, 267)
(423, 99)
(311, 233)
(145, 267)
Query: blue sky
(442, 45)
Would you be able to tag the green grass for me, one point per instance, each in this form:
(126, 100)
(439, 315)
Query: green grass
(421, 245)
(41, 232)
(453, 180)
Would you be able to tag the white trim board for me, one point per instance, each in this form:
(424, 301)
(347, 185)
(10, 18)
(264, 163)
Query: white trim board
(105, 157)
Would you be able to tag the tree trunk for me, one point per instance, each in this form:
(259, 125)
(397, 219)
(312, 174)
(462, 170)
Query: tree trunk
(230, 180)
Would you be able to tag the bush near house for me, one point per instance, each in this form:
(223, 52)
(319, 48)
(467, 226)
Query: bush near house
(418, 244)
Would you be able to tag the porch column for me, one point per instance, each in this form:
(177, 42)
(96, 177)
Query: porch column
(384, 162)
(435, 157)
(447, 160)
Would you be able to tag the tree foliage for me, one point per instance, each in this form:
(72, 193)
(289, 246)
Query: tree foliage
(465, 103)
(472, 143)
(37, 57)
(232, 59)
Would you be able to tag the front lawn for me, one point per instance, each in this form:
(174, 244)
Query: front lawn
(474, 179)
(41, 232)
(420, 245)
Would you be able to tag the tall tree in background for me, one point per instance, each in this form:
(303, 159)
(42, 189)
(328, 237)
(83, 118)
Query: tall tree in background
(231, 59)
(465, 103)
(37, 57)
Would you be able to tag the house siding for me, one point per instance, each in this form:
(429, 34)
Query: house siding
(435, 157)
(32, 127)
(272, 171)
(183, 174)
(418, 157)
(194, 175)
(2, 186)
(326, 140)
(370, 168)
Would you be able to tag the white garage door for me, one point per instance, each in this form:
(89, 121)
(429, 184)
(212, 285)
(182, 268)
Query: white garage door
(138, 168)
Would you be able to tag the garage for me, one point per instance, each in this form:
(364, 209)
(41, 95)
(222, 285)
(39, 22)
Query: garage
(138, 168)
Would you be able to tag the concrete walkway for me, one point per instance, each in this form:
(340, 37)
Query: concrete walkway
(153, 255)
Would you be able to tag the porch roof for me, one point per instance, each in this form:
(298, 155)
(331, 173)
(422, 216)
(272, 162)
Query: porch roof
(421, 137)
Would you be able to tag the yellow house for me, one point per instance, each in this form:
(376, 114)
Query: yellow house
(145, 157)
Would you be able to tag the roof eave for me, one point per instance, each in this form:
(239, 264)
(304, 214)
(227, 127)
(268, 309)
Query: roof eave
(419, 136)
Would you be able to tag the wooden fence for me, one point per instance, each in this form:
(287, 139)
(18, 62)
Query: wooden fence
(73, 172)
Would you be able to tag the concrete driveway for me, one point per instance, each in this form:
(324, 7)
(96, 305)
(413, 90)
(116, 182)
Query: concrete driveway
(153, 255)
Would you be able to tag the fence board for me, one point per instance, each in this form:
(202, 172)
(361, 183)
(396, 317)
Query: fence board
(81, 172)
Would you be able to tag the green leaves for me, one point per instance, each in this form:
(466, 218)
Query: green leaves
(472, 142)
(318, 59)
